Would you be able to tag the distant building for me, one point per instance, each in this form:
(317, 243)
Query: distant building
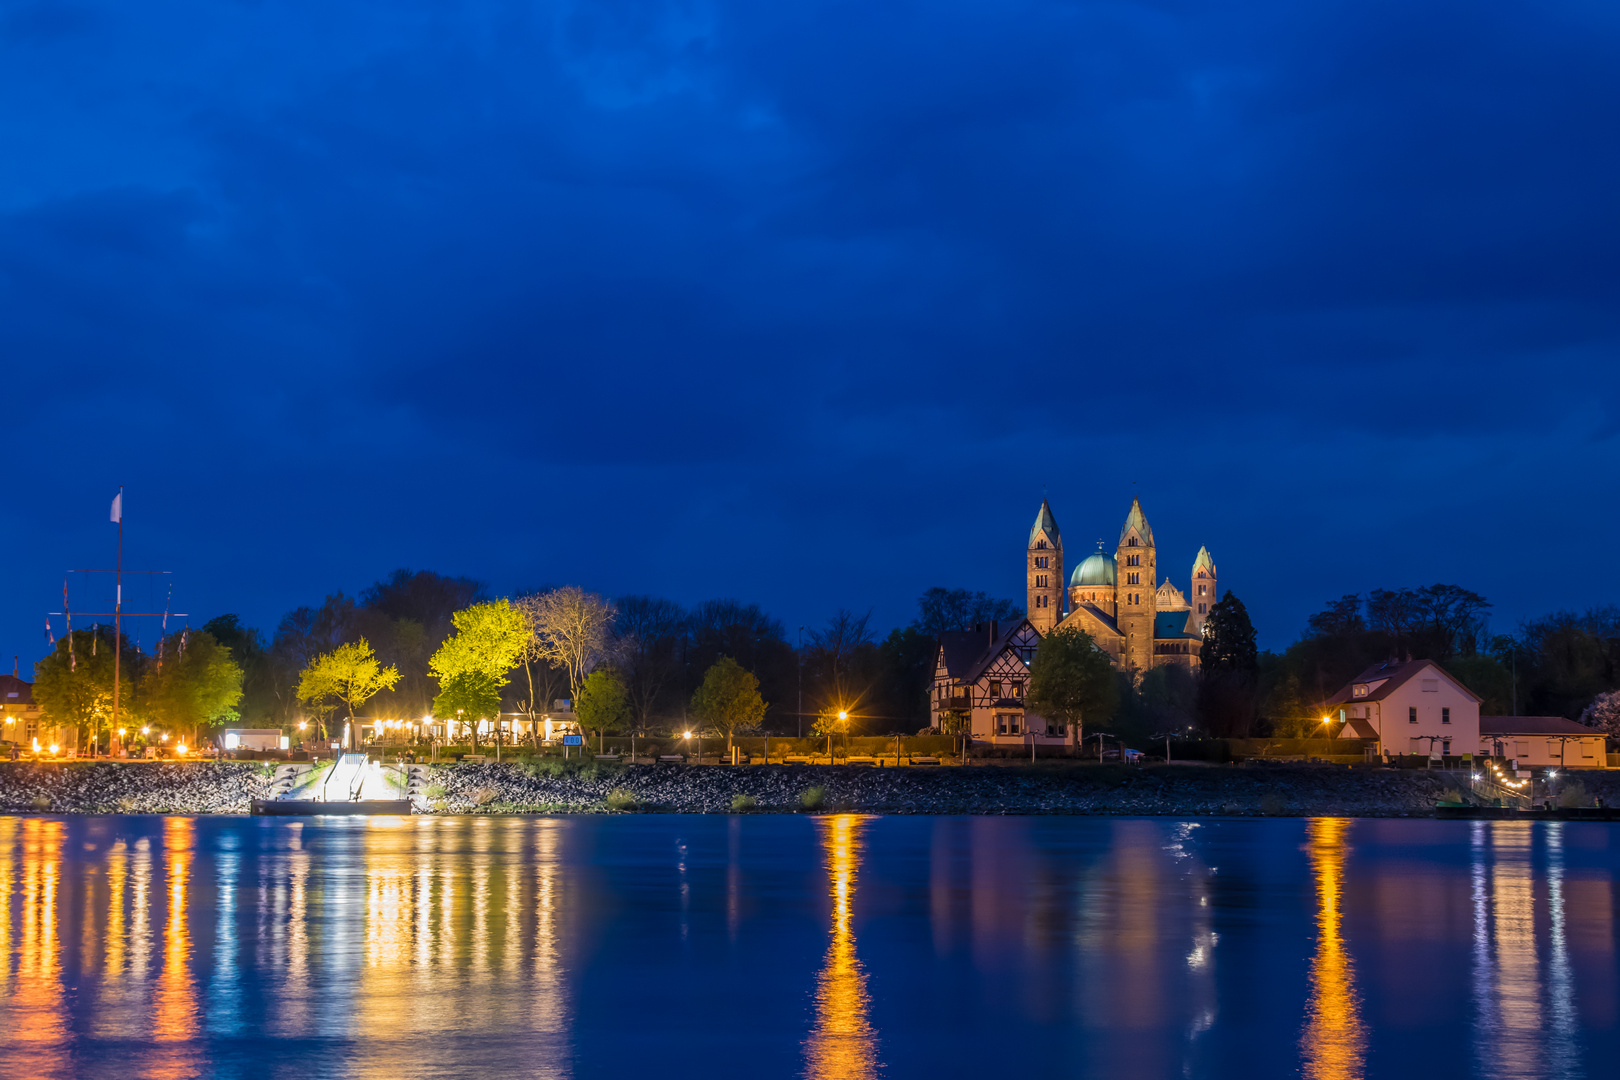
(1409, 707)
(1141, 622)
(19, 716)
(982, 675)
(1543, 741)
(1118, 599)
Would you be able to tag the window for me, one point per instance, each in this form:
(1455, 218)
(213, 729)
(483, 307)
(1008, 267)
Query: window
(1040, 544)
(1131, 542)
(1359, 691)
(1200, 590)
(1411, 715)
(1431, 686)
(1445, 716)
(1200, 609)
(995, 688)
(1445, 746)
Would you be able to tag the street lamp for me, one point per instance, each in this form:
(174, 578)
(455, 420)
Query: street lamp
(687, 735)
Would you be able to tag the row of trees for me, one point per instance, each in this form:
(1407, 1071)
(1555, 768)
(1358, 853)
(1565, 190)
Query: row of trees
(189, 682)
(418, 643)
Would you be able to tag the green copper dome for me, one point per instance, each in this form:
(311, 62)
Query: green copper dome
(1098, 569)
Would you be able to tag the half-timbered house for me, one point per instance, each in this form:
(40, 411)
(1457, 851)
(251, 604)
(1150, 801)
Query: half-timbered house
(981, 686)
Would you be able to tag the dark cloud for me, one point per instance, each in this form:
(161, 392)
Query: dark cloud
(806, 302)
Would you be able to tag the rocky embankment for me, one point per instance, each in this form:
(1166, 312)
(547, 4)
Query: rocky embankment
(227, 787)
(1178, 790)
(224, 787)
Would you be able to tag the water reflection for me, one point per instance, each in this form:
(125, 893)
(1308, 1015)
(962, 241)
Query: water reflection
(555, 947)
(1525, 1016)
(843, 1045)
(1334, 1045)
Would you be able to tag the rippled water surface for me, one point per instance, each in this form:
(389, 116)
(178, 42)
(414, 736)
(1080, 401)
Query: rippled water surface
(839, 946)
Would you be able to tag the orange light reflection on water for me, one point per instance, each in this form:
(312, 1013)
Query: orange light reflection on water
(843, 1045)
(1334, 1044)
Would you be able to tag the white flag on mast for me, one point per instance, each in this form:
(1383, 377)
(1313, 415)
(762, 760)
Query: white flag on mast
(118, 507)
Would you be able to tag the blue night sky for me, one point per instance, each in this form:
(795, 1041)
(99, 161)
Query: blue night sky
(804, 303)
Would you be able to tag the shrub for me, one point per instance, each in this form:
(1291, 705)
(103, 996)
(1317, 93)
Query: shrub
(742, 803)
(1573, 794)
(621, 799)
(813, 797)
(436, 791)
(482, 796)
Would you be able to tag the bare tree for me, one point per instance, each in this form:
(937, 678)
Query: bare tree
(572, 629)
(649, 634)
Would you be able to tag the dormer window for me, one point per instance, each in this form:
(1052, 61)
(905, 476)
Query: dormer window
(1360, 690)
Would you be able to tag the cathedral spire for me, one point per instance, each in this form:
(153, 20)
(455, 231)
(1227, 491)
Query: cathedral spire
(1045, 522)
(1138, 521)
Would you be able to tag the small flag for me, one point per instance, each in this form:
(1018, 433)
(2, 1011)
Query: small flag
(95, 636)
(118, 506)
(50, 637)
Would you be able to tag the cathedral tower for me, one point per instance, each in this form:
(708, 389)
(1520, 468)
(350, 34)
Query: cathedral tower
(1202, 595)
(1137, 581)
(1045, 571)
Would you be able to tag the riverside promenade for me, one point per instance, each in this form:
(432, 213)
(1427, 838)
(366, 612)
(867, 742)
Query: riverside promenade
(544, 787)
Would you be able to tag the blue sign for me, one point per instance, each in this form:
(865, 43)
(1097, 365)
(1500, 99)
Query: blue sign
(573, 740)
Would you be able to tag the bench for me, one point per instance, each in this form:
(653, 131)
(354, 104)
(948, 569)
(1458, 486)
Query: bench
(475, 759)
(860, 760)
(674, 759)
(607, 757)
(796, 759)
(924, 760)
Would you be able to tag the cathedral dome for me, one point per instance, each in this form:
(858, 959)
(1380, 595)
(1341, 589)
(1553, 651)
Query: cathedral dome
(1098, 569)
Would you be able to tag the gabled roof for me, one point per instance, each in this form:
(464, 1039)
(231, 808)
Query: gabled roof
(1172, 624)
(1045, 522)
(959, 649)
(1391, 676)
(1534, 725)
(1094, 612)
(11, 685)
(1001, 644)
(1138, 521)
(1204, 559)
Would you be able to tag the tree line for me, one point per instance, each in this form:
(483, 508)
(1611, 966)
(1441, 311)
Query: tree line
(419, 643)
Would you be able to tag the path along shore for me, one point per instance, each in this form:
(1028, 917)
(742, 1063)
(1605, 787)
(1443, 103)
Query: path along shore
(1057, 788)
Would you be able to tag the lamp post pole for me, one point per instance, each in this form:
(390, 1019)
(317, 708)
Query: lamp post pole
(800, 657)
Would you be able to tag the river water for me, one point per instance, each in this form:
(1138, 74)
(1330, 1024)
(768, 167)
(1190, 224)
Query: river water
(838, 946)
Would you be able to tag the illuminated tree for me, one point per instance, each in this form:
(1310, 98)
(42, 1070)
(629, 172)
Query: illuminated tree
(197, 683)
(77, 690)
(729, 699)
(474, 662)
(350, 673)
(572, 629)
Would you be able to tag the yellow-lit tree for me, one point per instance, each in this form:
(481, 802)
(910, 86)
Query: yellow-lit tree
(475, 662)
(350, 674)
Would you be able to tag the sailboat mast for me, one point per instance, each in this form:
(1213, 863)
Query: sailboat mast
(118, 609)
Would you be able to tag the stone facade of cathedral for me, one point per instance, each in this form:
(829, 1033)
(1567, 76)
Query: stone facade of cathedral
(1118, 598)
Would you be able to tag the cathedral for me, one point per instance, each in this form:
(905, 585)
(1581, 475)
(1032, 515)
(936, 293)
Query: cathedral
(1118, 598)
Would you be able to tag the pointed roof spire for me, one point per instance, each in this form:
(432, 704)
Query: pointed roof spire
(1045, 521)
(1138, 521)
(1204, 559)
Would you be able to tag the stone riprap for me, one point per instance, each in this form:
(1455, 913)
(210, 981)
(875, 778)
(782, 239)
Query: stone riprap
(1169, 789)
(227, 787)
(224, 787)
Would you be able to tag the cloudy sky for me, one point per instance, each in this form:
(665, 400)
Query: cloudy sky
(807, 303)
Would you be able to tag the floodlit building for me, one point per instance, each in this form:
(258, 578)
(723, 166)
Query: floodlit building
(982, 676)
(19, 716)
(1141, 621)
(1543, 742)
(1409, 707)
